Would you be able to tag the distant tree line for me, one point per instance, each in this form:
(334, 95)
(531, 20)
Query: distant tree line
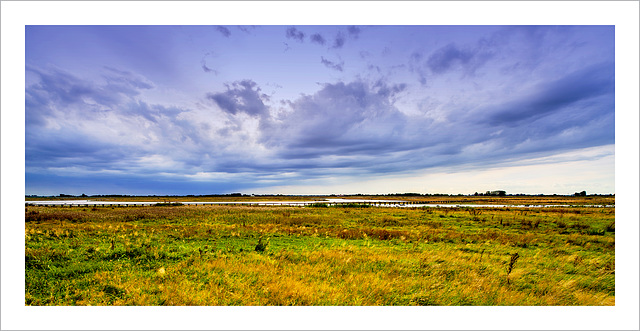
(409, 194)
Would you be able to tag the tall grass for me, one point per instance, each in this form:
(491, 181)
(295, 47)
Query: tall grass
(251, 255)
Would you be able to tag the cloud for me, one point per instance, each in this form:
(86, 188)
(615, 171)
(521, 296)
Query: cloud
(55, 90)
(416, 66)
(205, 68)
(352, 126)
(353, 31)
(69, 147)
(152, 113)
(332, 65)
(339, 41)
(203, 63)
(340, 119)
(121, 77)
(444, 58)
(293, 33)
(386, 91)
(451, 56)
(553, 96)
(72, 123)
(503, 95)
(223, 30)
(317, 38)
(246, 29)
(241, 97)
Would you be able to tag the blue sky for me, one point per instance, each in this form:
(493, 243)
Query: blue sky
(298, 109)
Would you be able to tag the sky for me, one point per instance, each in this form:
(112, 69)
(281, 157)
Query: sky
(326, 109)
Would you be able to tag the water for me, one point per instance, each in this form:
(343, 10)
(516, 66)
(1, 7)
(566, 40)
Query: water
(381, 203)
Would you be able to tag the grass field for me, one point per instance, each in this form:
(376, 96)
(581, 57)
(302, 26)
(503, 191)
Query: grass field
(250, 255)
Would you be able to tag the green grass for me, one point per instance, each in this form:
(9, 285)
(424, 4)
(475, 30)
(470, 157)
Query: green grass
(250, 255)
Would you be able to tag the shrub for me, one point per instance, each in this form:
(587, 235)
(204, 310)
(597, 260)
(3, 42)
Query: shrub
(32, 216)
(261, 246)
(611, 227)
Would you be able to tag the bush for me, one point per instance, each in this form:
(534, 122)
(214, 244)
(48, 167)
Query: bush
(611, 227)
(261, 246)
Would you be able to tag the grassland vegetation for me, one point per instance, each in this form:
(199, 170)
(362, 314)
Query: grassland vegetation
(318, 255)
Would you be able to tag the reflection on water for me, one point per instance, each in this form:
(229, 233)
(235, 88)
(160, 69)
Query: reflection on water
(381, 203)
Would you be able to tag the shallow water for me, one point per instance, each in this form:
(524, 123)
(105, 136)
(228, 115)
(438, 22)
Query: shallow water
(381, 203)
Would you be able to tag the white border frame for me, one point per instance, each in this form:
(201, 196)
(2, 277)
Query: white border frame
(622, 14)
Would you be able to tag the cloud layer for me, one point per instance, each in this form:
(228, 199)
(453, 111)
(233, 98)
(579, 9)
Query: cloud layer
(453, 104)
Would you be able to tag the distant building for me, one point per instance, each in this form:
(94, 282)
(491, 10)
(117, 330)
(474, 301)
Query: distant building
(496, 193)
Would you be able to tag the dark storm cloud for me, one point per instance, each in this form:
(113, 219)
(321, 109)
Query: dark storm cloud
(293, 33)
(242, 96)
(332, 65)
(70, 148)
(223, 30)
(553, 96)
(318, 39)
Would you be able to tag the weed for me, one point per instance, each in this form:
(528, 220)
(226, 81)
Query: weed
(512, 264)
(261, 246)
(577, 260)
(611, 227)
(113, 291)
(474, 211)
(595, 232)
